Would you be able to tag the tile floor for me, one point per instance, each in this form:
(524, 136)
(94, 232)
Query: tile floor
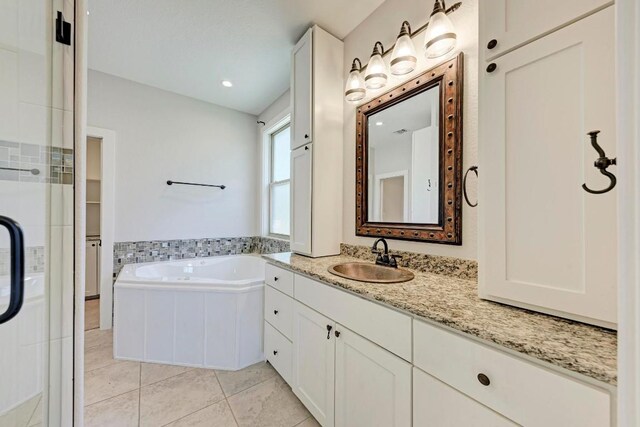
(123, 393)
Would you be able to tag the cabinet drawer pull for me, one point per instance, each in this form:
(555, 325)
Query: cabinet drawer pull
(329, 328)
(306, 147)
(492, 43)
(491, 67)
(306, 136)
(275, 352)
(275, 312)
(484, 380)
(275, 278)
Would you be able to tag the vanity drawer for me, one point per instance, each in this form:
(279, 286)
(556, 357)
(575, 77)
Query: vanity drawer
(278, 310)
(388, 328)
(277, 350)
(528, 394)
(279, 278)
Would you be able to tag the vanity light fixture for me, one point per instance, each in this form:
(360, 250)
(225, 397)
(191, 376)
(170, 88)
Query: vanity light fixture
(440, 35)
(376, 74)
(226, 83)
(354, 90)
(403, 58)
(439, 39)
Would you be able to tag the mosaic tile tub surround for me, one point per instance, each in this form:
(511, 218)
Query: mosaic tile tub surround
(436, 264)
(51, 164)
(165, 250)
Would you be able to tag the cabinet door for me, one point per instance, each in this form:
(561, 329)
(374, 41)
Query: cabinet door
(545, 242)
(373, 386)
(91, 273)
(512, 23)
(313, 362)
(435, 404)
(301, 91)
(301, 179)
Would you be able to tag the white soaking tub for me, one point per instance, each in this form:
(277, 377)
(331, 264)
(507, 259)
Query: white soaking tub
(202, 312)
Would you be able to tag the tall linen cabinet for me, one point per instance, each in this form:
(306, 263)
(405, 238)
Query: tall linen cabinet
(316, 144)
(547, 79)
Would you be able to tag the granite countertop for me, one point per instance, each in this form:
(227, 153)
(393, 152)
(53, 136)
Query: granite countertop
(454, 302)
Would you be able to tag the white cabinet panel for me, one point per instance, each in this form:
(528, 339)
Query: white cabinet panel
(525, 393)
(301, 178)
(313, 362)
(278, 310)
(279, 278)
(278, 351)
(512, 23)
(373, 386)
(301, 92)
(435, 404)
(545, 242)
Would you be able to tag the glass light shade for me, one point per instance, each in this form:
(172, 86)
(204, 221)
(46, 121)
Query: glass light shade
(440, 36)
(376, 73)
(403, 58)
(354, 90)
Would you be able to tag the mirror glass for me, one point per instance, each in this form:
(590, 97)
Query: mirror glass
(403, 143)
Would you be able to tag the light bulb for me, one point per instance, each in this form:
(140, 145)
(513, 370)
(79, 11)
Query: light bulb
(354, 90)
(376, 73)
(440, 36)
(403, 59)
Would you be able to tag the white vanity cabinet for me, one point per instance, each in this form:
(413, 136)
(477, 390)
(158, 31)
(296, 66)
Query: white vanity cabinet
(512, 23)
(353, 362)
(316, 144)
(545, 243)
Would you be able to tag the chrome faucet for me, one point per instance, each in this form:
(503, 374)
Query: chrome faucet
(384, 258)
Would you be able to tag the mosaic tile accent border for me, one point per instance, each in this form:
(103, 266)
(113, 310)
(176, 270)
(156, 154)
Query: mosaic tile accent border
(164, 250)
(34, 260)
(436, 264)
(53, 164)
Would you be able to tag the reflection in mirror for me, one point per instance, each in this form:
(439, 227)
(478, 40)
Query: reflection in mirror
(403, 161)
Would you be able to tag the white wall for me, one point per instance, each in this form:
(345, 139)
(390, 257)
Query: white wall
(162, 135)
(384, 24)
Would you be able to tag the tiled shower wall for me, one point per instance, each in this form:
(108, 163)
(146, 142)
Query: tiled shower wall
(38, 163)
(164, 250)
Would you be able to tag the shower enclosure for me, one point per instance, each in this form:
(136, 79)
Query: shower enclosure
(36, 212)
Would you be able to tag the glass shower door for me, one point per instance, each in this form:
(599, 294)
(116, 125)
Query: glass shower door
(36, 215)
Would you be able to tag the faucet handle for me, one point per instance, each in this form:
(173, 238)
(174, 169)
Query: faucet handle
(393, 260)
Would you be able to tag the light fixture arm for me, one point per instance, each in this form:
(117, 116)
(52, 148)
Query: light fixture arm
(377, 51)
(447, 11)
(356, 65)
(405, 29)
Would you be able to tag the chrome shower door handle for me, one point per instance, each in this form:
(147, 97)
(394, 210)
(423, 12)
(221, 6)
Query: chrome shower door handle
(16, 292)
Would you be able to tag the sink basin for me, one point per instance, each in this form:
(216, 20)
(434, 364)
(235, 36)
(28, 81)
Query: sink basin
(367, 272)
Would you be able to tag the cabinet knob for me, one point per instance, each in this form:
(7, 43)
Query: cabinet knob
(275, 279)
(491, 67)
(484, 380)
(275, 311)
(93, 244)
(306, 136)
(306, 147)
(337, 333)
(492, 43)
(275, 352)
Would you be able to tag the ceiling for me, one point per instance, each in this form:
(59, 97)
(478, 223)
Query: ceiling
(190, 46)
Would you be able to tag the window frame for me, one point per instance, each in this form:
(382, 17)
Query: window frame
(272, 183)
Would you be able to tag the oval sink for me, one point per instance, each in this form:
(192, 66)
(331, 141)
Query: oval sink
(367, 272)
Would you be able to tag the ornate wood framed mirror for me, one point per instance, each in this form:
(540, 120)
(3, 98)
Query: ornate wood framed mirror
(409, 159)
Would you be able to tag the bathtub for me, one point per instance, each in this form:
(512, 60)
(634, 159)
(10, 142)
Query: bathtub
(201, 312)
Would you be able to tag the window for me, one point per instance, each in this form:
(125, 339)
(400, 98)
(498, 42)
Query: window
(279, 145)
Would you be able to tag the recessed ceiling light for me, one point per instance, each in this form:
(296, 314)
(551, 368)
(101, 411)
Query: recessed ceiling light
(227, 83)
(379, 123)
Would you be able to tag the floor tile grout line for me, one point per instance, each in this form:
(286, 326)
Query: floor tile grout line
(226, 399)
(172, 376)
(111, 397)
(245, 389)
